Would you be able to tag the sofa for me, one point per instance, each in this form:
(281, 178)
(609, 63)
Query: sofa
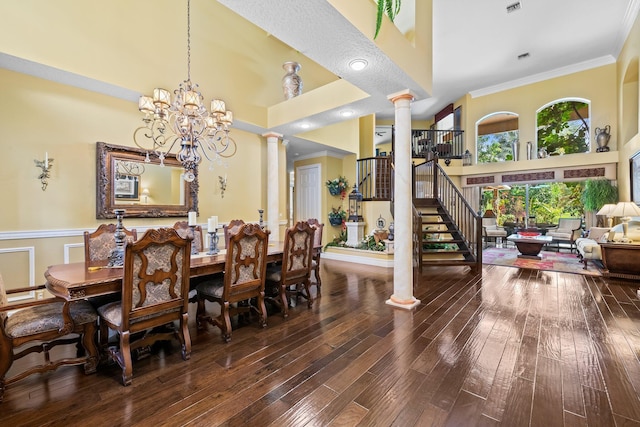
(588, 247)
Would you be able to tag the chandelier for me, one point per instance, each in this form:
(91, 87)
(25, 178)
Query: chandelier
(184, 123)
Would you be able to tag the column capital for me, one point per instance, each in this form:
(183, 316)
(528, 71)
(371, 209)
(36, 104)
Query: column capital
(404, 94)
(272, 135)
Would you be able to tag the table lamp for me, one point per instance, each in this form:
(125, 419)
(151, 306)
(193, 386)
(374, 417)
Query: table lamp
(607, 210)
(625, 210)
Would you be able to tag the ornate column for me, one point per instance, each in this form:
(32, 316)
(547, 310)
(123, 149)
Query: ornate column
(402, 261)
(273, 186)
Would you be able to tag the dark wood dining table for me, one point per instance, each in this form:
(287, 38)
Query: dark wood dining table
(74, 281)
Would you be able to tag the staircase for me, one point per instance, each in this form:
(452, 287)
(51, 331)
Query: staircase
(450, 232)
(441, 240)
(446, 230)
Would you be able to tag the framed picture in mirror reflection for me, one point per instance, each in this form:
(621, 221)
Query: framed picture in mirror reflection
(126, 188)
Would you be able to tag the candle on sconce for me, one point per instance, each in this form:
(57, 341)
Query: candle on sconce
(192, 218)
(212, 224)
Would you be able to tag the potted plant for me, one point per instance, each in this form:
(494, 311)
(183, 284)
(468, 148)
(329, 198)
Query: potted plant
(389, 7)
(337, 216)
(596, 194)
(338, 186)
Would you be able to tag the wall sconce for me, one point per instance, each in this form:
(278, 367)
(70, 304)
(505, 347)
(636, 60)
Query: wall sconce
(223, 184)
(45, 165)
(466, 158)
(145, 194)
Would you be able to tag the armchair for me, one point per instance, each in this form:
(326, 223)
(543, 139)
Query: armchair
(155, 292)
(491, 230)
(38, 326)
(244, 279)
(567, 231)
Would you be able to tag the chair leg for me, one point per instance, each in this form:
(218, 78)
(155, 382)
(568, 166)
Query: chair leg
(225, 321)
(185, 337)
(125, 361)
(88, 340)
(284, 300)
(6, 360)
(307, 286)
(316, 271)
(262, 308)
(201, 313)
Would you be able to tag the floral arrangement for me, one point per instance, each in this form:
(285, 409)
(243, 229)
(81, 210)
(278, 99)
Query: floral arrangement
(337, 216)
(337, 186)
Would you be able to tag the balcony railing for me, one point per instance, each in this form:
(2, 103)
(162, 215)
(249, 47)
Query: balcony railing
(447, 144)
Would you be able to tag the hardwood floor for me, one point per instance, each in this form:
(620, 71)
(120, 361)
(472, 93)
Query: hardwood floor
(514, 347)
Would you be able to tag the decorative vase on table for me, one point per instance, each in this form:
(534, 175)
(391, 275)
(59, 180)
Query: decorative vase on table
(291, 82)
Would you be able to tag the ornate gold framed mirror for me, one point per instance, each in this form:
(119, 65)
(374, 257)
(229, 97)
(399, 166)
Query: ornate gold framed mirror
(125, 180)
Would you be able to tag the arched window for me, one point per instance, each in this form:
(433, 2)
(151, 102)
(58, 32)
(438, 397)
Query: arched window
(496, 134)
(563, 127)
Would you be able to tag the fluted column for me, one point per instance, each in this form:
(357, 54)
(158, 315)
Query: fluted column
(402, 217)
(273, 186)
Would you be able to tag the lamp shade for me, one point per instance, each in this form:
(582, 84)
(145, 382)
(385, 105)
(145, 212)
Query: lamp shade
(626, 209)
(606, 210)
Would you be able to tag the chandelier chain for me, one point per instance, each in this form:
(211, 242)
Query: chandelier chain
(184, 123)
(189, 40)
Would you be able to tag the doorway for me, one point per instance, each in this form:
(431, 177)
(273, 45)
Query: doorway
(308, 192)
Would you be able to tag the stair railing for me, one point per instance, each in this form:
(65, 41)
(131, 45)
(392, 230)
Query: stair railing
(431, 181)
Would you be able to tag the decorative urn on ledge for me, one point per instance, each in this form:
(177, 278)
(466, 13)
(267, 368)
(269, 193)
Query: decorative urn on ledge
(602, 139)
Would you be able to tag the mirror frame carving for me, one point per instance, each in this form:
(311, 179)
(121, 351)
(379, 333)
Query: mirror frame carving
(105, 203)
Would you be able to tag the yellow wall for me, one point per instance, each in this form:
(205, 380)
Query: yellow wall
(40, 116)
(628, 60)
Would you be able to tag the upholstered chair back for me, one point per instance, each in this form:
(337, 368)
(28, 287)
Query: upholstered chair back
(184, 230)
(99, 244)
(246, 263)
(298, 250)
(317, 237)
(231, 228)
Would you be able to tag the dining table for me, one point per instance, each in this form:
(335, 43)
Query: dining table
(75, 281)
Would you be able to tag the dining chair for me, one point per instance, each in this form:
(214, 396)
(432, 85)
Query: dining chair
(155, 291)
(243, 280)
(37, 326)
(317, 250)
(184, 230)
(295, 268)
(230, 229)
(99, 244)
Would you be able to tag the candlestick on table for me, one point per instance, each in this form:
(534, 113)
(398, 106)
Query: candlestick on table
(213, 241)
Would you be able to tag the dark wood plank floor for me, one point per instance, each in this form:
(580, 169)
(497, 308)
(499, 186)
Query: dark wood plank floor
(514, 347)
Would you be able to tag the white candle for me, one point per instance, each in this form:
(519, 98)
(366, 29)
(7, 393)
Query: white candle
(192, 218)
(46, 160)
(213, 223)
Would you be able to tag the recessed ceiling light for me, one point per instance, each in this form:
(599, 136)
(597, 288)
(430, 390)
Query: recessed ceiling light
(346, 113)
(358, 64)
(305, 125)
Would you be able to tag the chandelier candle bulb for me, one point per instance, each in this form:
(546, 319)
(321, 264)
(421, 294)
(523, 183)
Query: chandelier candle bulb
(46, 160)
(212, 224)
(192, 218)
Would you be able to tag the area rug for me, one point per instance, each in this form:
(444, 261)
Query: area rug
(551, 261)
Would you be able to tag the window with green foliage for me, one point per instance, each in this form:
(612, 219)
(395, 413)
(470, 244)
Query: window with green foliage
(546, 203)
(496, 134)
(563, 127)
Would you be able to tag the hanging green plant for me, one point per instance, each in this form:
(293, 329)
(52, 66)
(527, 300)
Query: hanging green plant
(389, 7)
(338, 186)
(337, 216)
(597, 193)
